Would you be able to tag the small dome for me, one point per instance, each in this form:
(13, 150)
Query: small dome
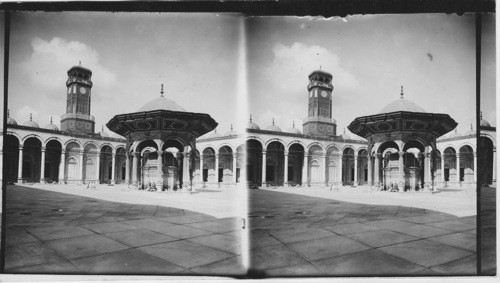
(273, 128)
(454, 134)
(345, 136)
(402, 105)
(293, 130)
(30, 123)
(214, 134)
(471, 131)
(230, 132)
(251, 125)
(51, 126)
(482, 122)
(161, 103)
(103, 134)
(10, 120)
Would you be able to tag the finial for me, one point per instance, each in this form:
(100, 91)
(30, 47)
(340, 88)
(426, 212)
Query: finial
(102, 128)
(161, 91)
(455, 130)
(51, 119)
(344, 131)
(250, 118)
(31, 117)
(231, 127)
(471, 126)
(320, 67)
(215, 131)
(402, 93)
(481, 115)
(8, 113)
(293, 124)
(80, 63)
(273, 121)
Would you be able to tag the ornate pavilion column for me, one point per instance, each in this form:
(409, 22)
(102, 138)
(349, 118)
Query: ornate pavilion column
(62, 166)
(98, 166)
(201, 168)
(376, 175)
(264, 167)
(159, 168)
(80, 177)
(304, 169)
(401, 168)
(322, 176)
(475, 166)
(355, 169)
(458, 169)
(285, 171)
(185, 168)
(113, 169)
(494, 175)
(20, 166)
(42, 166)
(217, 168)
(127, 168)
(235, 167)
(443, 179)
(134, 168)
(339, 172)
(370, 169)
(427, 174)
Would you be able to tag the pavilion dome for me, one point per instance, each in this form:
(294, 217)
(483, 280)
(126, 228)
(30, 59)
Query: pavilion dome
(10, 120)
(345, 136)
(454, 134)
(161, 103)
(31, 123)
(251, 125)
(51, 126)
(482, 122)
(470, 132)
(402, 104)
(293, 130)
(273, 128)
(214, 134)
(103, 134)
(231, 132)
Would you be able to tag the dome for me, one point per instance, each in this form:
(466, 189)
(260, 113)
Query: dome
(230, 132)
(345, 136)
(103, 134)
(161, 103)
(252, 125)
(30, 123)
(293, 130)
(214, 134)
(482, 122)
(402, 105)
(454, 134)
(471, 131)
(51, 126)
(10, 120)
(273, 128)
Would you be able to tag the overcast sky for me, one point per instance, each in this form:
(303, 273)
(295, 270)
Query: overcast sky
(201, 60)
(195, 56)
(370, 57)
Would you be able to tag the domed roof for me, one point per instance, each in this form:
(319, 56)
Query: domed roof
(10, 120)
(402, 105)
(454, 134)
(273, 128)
(230, 132)
(214, 134)
(103, 134)
(252, 125)
(293, 130)
(471, 131)
(161, 103)
(51, 126)
(30, 123)
(345, 136)
(482, 122)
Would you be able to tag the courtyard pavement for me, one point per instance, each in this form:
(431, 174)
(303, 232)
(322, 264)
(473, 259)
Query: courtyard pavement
(488, 231)
(53, 232)
(297, 235)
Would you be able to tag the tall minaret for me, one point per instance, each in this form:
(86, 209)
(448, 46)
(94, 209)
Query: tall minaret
(77, 117)
(319, 121)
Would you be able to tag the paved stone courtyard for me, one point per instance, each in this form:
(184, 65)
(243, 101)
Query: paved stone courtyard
(53, 232)
(298, 235)
(488, 231)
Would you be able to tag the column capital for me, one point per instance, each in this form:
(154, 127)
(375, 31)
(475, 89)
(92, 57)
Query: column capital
(235, 155)
(159, 152)
(401, 153)
(43, 148)
(21, 147)
(264, 151)
(286, 152)
(377, 155)
(474, 153)
(306, 154)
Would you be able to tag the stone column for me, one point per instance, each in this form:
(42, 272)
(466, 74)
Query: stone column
(376, 173)
(355, 169)
(62, 166)
(201, 168)
(494, 173)
(159, 167)
(339, 172)
(401, 170)
(134, 168)
(42, 166)
(127, 169)
(98, 167)
(369, 169)
(427, 174)
(235, 167)
(217, 168)
(475, 166)
(113, 169)
(285, 171)
(20, 166)
(458, 169)
(263, 167)
(185, 169)
(443, 179)
(304, 170)
(322, 176)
